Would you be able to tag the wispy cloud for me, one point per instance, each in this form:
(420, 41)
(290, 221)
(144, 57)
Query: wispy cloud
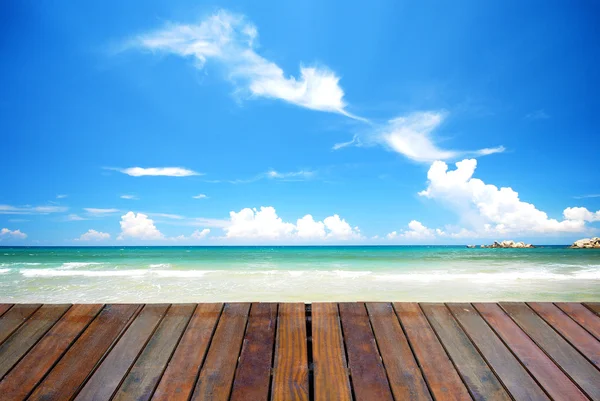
(537, 115)
(6, 233)
(62, 196)
(155, 171)
(8, 209)
(129, 197)
(167, 216)
(354, 142)
(300, 175)
(587, 196)
(100, 212)
(230, 40)
(75, 217)
(200, 196)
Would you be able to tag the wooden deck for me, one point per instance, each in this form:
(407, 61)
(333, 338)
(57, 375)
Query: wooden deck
(284, 352)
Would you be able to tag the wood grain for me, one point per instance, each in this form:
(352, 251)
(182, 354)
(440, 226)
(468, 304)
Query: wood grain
(4, 308)
(593, 306)
(582, 315)
(15, 317)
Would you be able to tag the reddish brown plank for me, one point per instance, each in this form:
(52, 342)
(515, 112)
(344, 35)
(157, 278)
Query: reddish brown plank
(108, 376)
(290, 368)
(571, 331)
(253, 372)
(514, 376)
(178, 381)
(571, 362)
(40, 359)
(477, 375)
(369, 379)
(15, 317)
(216, 375)
(582, 315)
(550, 377)
(28, 334)
(404, 375)
(64, 380)
(140, 382)
(329, 360)
(443, 380)
(593, 306)
(4, 308)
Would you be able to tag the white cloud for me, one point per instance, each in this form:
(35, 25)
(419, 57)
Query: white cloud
(200, 234)
(156, 171)
(200, 196)
(392, 235)
(93, 235)
(138, 227)
(488, 210)
(62, 196)
(167, 216)
(416, 230)
(265, 224)
(8, 209)
(129, 197)
(6, 233)
(100, 212)
(75, 217)
(301, 174)
(230, 40)
(587, 196)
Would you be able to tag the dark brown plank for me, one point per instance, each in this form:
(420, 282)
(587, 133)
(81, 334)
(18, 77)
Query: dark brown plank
(571, 331)
(216, 375)
(109, 375)
(369, 380)
(178, 381)
(402, 370)
(442, 379)
(582, 315)
(253, 372)
(28, 334)
(15, 317)
(568, 358)
(4, 308)
(64, 380)
(514, 376)
(550, 377)
(40, 359)
(290, 368)
(329, 360)
(142, 379)
(593, 306)
(477, 375)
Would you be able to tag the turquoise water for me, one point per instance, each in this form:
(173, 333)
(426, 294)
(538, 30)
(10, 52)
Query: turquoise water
(202, 274)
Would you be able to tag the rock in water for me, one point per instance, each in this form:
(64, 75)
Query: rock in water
(508, 244)
(586, 243)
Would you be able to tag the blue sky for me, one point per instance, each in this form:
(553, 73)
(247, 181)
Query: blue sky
(298, 122)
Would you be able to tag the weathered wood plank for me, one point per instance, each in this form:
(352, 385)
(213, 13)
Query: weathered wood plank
(570, 330)
(405, 377)
(67, 376)
(178, 381)
(15, 317)
(329, 360)
(216, 375)
(582, 315)
(443, 380)
(253, 373)
(4, 308)
(40, 359)
(477, 375)
(369, 379)
(290, 368)
(28, 334)
(513, 375)
(142, 379)
(108, 376)
(571, 362)
(593, 306)
(552, 379)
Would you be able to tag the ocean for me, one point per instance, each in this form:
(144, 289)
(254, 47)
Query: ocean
(297, 273)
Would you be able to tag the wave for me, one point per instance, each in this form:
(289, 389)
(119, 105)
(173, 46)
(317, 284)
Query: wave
(75, 265)
(2, 271)
(114, 273)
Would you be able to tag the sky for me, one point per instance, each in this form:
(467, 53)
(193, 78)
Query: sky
(397, 122)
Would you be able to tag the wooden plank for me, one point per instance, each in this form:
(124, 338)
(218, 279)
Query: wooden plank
(476, 374)
(571, 331)
(15, 317)
(442, 379)
(142, 379)
(369, 379)
(404, 375)
(178, 381)
(593, 306)
(216, 375)
(4, 308)
(550, 377)
(570, 361)
(329, 360)
(28, 334)
(582, 315)
(109, 375)
(513, 375)
(290, 368)
(253, 373)
(67, 376)
(34, 366)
